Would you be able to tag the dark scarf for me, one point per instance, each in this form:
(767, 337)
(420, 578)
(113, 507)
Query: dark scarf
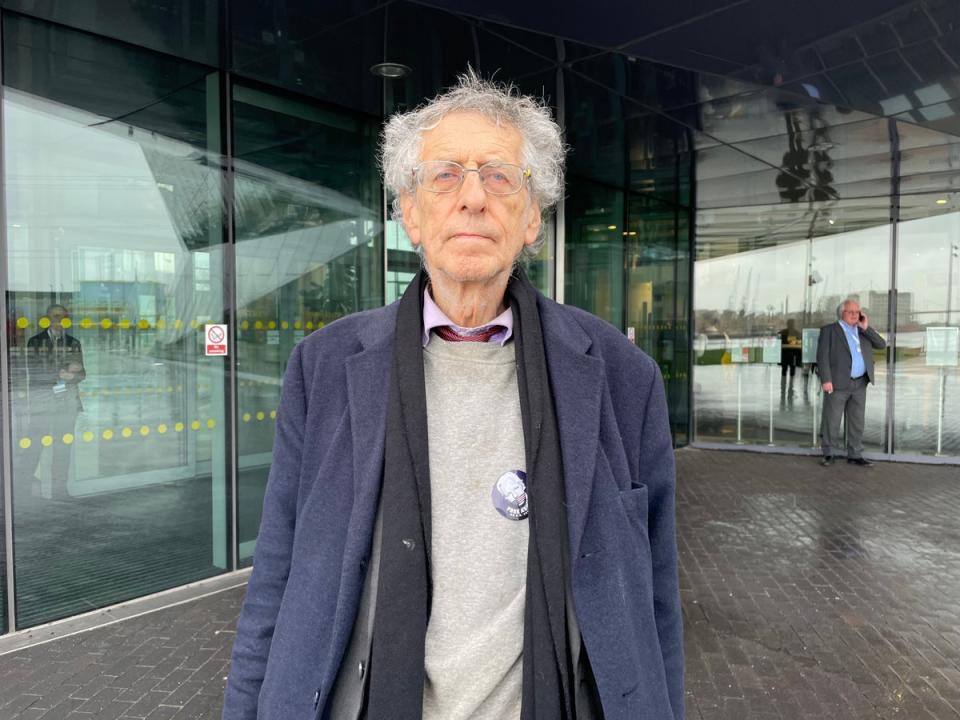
(404, 588)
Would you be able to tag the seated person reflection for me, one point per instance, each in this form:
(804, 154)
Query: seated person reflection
(54, 364)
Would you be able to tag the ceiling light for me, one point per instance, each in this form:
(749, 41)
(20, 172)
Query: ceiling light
(391, 70)
(611, 227)
(941, 201)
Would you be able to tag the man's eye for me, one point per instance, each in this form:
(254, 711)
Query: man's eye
(446, 175)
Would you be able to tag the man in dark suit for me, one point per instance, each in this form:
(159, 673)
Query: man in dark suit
(845, 363)
(470, 511)
(54, 366)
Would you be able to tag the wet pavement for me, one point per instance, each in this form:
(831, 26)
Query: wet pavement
(808, 593)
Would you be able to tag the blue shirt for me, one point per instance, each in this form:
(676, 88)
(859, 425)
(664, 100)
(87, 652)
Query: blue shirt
(857, 367)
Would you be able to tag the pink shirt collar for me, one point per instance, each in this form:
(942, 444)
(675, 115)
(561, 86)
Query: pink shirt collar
(433, 317)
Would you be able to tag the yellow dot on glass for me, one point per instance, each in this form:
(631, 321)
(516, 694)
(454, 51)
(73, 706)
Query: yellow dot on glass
(162, 428)
(178, 323)
(297, 324)
(258, 325)
(66, 322)
(126, 432)
(124, 324)
(272, 325)
(46, 440)
(87, 436)
(320, 324)
(194, 324)
(245, 325)
(108, 434)
(246, 417)
(169, 388)
(144, 430)
(86, 323)
(211, 423)
(22, 323)
(161, 324)
(195, 425)
(178, 427)
(273, 414)
(44, 322)
(68, 439)
(25, 443)
(284, 324)
(143, 324)
(309, 325)
(106, 323)
(260, 415)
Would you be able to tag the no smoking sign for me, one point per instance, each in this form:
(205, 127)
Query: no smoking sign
(215, 339)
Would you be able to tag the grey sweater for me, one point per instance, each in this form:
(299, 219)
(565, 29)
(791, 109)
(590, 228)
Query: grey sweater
(474, 643)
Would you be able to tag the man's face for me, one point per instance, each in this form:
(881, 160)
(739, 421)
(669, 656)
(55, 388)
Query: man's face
(851, 313)
(57, 315)
(470, 235)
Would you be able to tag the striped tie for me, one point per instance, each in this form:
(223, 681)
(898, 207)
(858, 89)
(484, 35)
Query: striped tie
(446, 332)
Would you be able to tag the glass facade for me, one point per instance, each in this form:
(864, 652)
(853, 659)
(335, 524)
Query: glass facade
(170, 165)
(835, 205)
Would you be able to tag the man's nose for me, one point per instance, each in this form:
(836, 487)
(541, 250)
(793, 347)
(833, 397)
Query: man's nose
(472, 195)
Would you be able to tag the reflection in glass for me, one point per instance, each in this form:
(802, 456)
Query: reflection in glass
(308, 226)
(927, 384)
(114, 264)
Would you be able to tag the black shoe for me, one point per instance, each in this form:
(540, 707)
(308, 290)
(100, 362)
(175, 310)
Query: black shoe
(862, 462)
(827, 461)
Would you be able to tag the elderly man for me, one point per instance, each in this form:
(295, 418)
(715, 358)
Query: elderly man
(470, 513)
(845, 369)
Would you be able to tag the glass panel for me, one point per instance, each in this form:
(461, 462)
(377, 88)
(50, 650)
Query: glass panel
(309, 226)
(658, 262)
(927, 388)
(183, 28)
(751, 293)
(323, 50)
(115, 260)
(595, 249)
(628, 211)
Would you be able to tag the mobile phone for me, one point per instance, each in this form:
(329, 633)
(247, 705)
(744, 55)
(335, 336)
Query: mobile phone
(861, 317)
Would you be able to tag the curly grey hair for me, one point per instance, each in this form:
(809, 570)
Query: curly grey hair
(543, 149)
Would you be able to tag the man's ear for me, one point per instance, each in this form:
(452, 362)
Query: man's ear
(533, 224)
(411, 217)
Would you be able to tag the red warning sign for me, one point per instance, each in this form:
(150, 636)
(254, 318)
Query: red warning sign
(215, 339)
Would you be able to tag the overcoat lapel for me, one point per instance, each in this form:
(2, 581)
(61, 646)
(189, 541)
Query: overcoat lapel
(368, 381)
(576, 380)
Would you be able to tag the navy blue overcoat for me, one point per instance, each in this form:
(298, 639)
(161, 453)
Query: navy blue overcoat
(320, 504)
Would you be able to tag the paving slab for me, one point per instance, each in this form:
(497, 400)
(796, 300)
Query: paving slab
(808, 593)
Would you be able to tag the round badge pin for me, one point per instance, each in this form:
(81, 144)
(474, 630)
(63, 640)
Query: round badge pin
(510, 495)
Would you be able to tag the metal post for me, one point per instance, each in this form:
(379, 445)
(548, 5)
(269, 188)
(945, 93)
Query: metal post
(813, 439)
(942, 382)
(770, 375)
(739, 407)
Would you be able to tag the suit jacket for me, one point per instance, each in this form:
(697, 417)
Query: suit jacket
(321, 499)
(45, 358)
(834, 360)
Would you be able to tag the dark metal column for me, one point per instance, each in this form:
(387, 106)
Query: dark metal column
(6, 469)
(892, 292)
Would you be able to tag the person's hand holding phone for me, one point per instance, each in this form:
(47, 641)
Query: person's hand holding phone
(863, 321)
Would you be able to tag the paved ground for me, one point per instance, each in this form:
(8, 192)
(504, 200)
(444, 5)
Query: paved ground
(809, 593)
